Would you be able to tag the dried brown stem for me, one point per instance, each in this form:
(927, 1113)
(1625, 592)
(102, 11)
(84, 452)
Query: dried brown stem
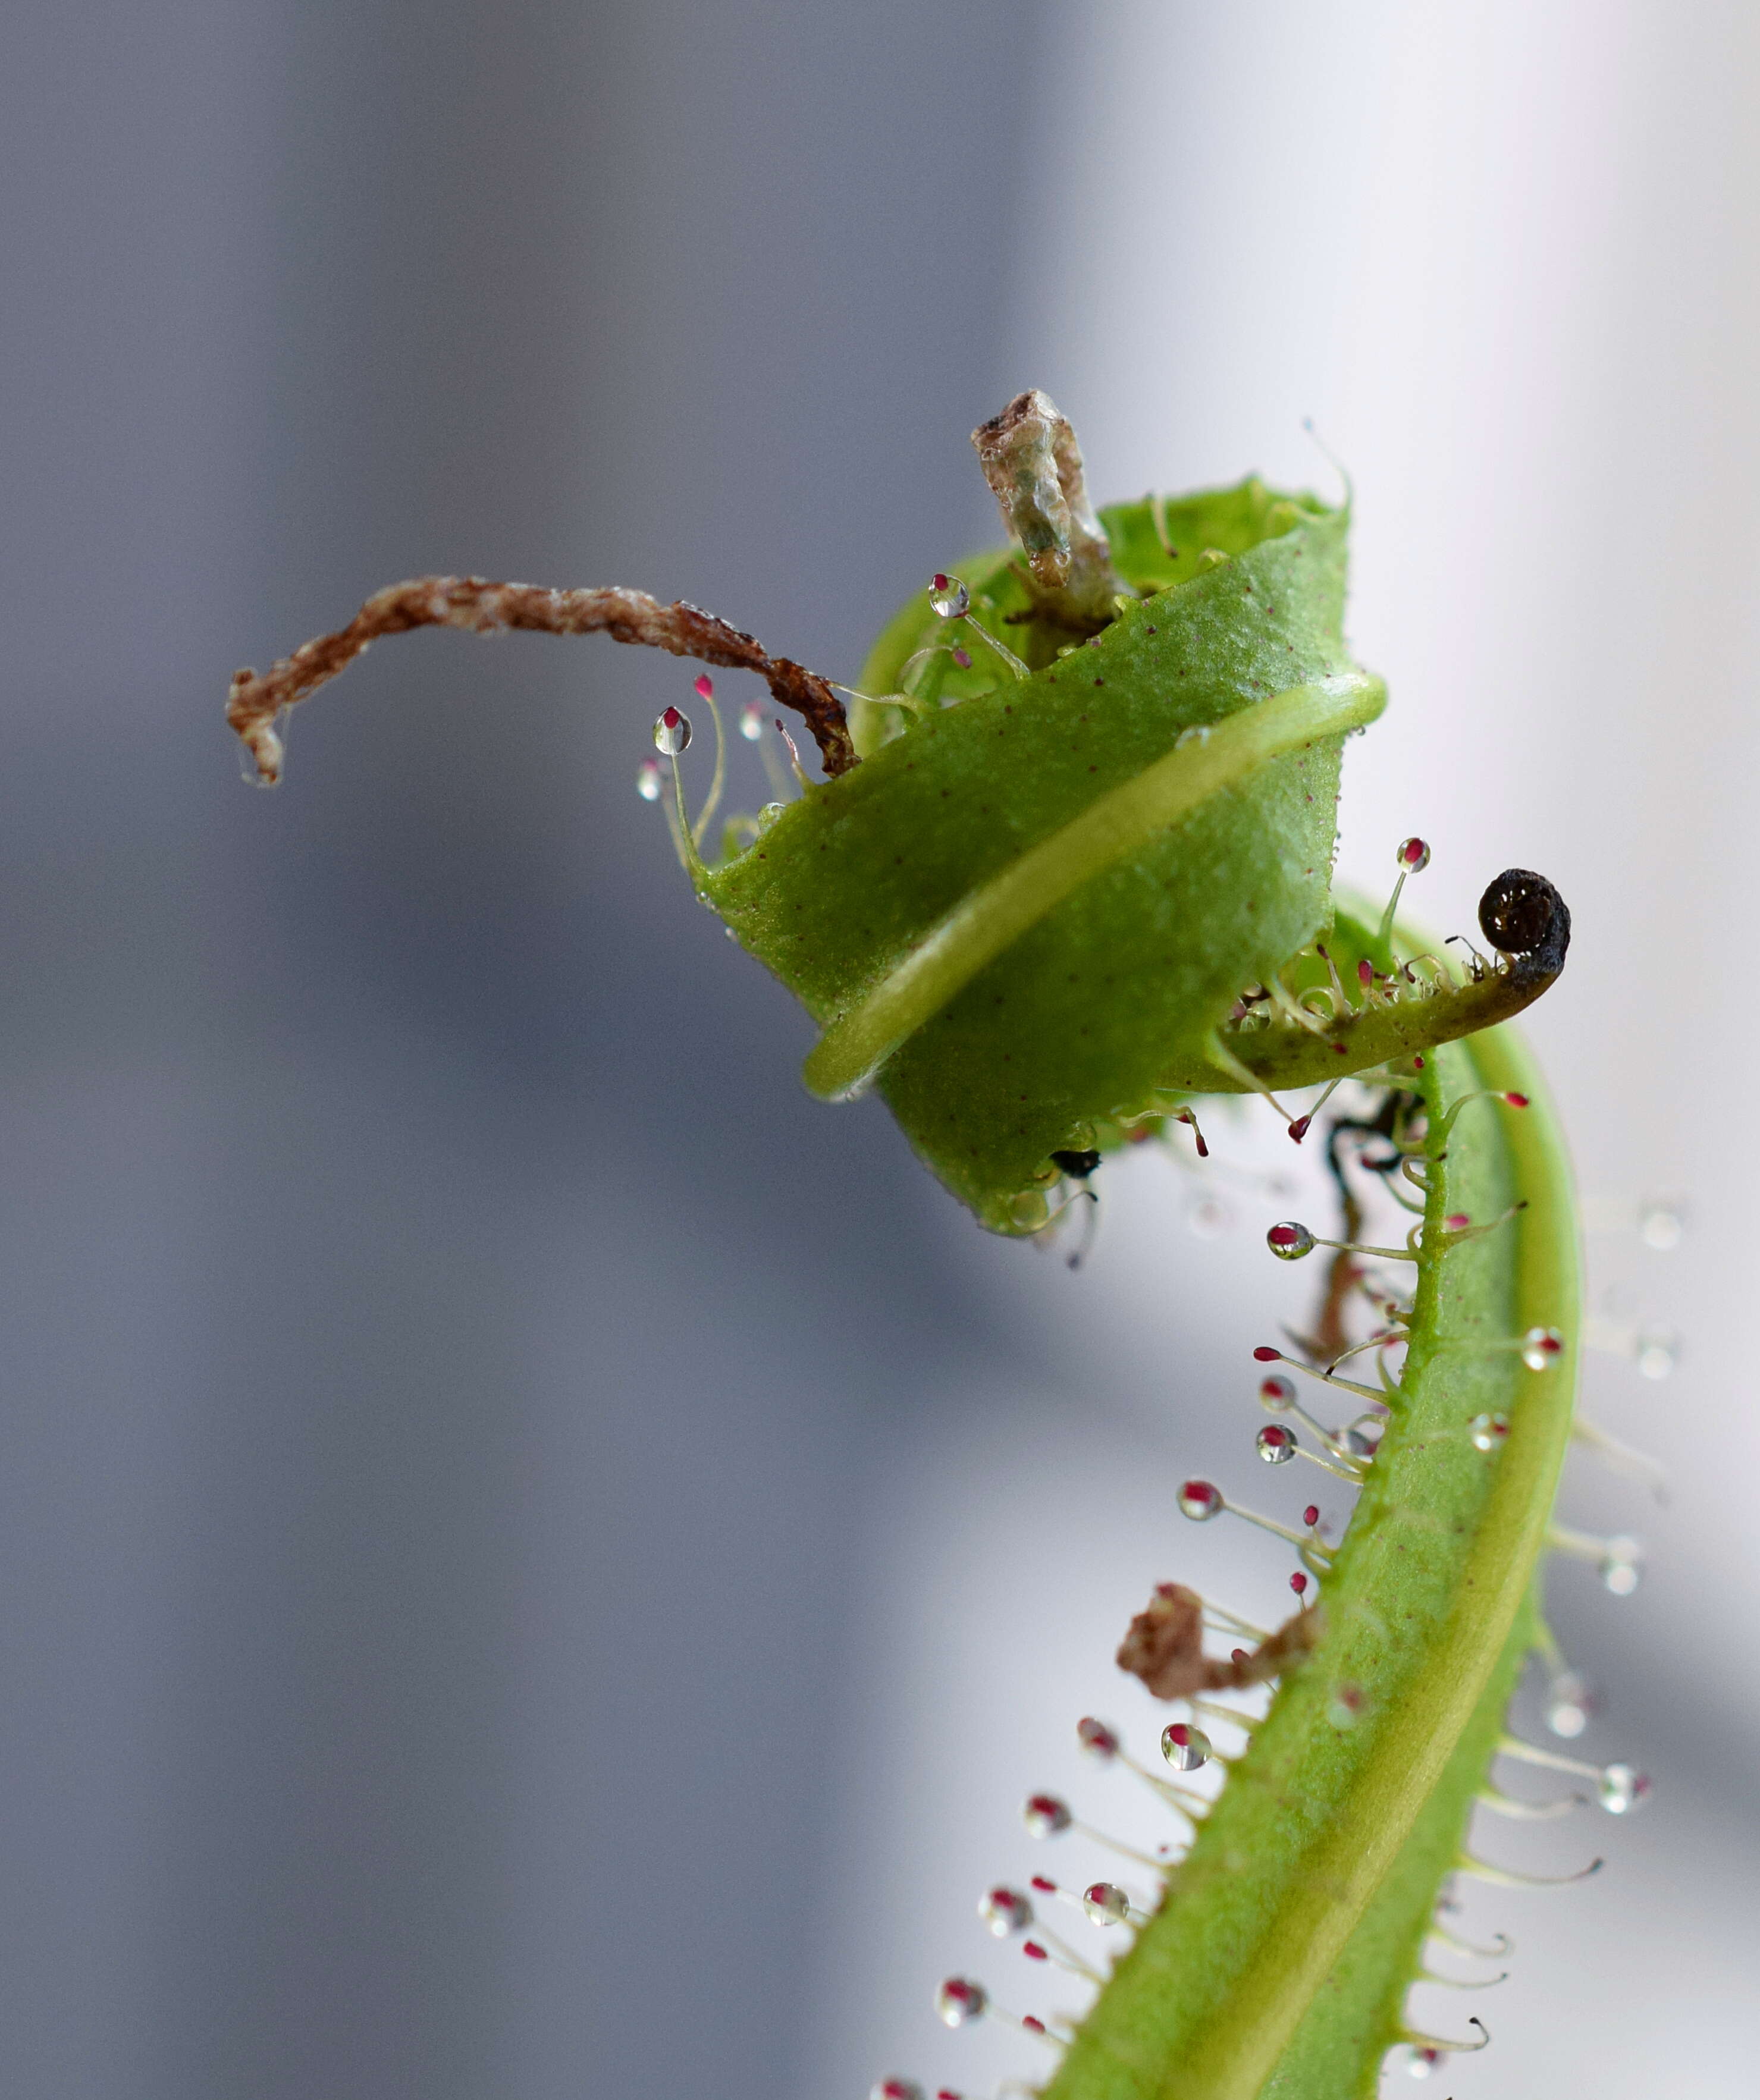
(482, 607)
(1164, 1646)
(1034, 466)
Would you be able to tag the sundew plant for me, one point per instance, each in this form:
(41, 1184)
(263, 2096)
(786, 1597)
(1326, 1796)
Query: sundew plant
(1068, 873)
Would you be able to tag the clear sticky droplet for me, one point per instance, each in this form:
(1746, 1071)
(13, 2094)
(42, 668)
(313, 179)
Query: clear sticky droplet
(1100, 1742)
(1005, 1910)
(1621, 1566)
(1656, 1351)
(1029, 1209)
(1045, 1816)
(1289, 1240)
(1362, 1438)
(1541, 1348)
(1422, 2061)
(752, 721)
(949, 597)
(1199, 1500)
(1185, 1747)
(1105, 1904)
(671, 733)
(1489, 1432)
(895, 2088)
(1661, 1223)
(960, 2002)
(1276, 1394)
(1276, 1444)
(1413, 856)
(648, 780)
(1345, 1706)
(1569, 1703)
(1621, 1789)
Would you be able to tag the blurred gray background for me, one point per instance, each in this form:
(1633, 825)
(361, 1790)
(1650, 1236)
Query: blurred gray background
(534, 1559)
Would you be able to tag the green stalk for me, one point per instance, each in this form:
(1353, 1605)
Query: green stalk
(1329, 1838)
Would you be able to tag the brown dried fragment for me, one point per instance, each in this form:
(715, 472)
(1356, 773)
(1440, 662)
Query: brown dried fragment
(479, 607)
(1034, 466)
(1164, 1646)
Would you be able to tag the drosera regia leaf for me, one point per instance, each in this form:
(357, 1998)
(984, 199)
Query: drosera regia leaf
(1071, 865)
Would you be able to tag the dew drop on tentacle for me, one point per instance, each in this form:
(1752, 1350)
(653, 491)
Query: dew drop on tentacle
(1422, 2061)
(752, 721)
(1345, 1706)
(960, 2000)
(1362, 1437)
(1569, 1704)
(1276, 1394)
(1100, 1742)
(895, 2089)
(1105, 1904)
(1412, 856)
(1289, 1241)
(1660, 1224)
(1656, 1351)
(1541, 1348)
(949, 597)
(1045, 1816)
(1200, 1500)
(671, 733)
(648, 780)
(1489, 1432)
(1005, 1910)
(1621, 1566)
(1620, 1789)
(1185, 1747)
(1276, 1444)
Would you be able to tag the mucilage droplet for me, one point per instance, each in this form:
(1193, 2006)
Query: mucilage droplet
(1105, 1904)
(1621, 1566)
(1005, 1910)
(1185, 1747)
(960, 2002)
(1289, 1241)
(1045, 1816)
(949, 597)
(671, 733)
(1541, 1348)
(1568, 1705)
(1621, 1789)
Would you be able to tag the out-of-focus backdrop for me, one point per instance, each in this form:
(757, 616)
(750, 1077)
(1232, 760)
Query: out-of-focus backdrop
(535, 1560)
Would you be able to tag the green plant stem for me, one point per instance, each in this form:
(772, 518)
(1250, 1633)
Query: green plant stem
(1424, 1609)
